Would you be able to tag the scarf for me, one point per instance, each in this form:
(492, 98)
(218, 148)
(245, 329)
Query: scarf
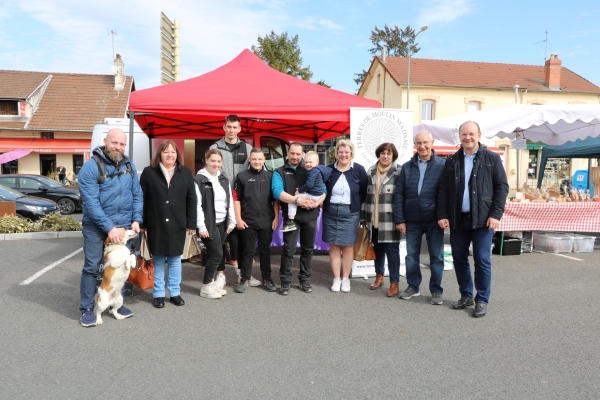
(379, 176)
(168, 173)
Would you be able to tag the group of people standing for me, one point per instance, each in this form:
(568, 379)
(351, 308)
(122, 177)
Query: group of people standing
(235, 198)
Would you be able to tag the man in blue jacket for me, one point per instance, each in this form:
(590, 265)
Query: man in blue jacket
(112, 202)
(415, 214)
(472, 194)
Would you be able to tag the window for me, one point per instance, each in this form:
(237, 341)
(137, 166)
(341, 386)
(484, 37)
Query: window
(8, 107)
(427, 110)
(47, 135)
(9, 182)
(28, 183)
(10, 167)
(378, 83)
(275, 151)
(473, 106)
(77, 163)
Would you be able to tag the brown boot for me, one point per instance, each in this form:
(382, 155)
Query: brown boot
(378, 282)
(393, 292)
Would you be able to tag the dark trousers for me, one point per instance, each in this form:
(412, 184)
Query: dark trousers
(216, 257)
(460, 238)
(307, 231)
(234, 245)
(248, 238)
(392, 251)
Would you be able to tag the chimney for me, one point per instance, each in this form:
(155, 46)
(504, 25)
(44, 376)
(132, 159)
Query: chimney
(383, 51)
(552, 68)
(119, 71)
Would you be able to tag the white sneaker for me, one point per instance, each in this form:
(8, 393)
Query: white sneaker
(254, 282)
(337, 282)
(210, 291)
(220, 283)
(345, 285)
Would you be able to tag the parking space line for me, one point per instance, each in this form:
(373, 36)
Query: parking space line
(572, 258)
(49, 267)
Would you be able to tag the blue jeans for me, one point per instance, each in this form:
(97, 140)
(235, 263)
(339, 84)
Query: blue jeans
(93, 254)
(174, 275)
(460, 238)
(435, 245)
(392, 251)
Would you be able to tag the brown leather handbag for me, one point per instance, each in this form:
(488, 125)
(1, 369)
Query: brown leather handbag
(363, 249)
(142, 275)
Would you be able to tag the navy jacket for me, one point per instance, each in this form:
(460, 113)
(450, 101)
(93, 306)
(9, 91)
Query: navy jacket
(315, 178)
(357, 180)
(488, 188)
(409, 206)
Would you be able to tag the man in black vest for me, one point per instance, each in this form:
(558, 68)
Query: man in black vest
(286, 179)
(257, 215)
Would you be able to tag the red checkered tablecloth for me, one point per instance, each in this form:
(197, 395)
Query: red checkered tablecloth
(565, 217)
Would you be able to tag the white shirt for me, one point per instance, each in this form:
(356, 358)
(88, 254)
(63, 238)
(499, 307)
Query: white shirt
(220, 202)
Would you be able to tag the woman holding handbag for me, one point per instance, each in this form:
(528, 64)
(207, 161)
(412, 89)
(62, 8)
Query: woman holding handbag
(169, 215)
(346, 190)
(377, 211)
(216, 219)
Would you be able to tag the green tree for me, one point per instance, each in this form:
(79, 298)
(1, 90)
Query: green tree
(323, 83)
(283, 54)
(396, 42)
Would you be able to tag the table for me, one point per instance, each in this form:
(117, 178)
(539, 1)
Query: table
(566, 217)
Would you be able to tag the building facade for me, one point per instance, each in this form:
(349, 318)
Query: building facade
(53, 115)
(441, 88)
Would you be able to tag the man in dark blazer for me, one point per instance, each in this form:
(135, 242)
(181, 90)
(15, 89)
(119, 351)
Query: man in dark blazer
(471, 199)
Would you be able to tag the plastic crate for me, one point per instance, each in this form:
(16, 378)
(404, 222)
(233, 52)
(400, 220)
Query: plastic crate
(583, 244)
(552, 242)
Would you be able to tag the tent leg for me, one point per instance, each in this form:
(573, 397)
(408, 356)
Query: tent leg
(131, 115)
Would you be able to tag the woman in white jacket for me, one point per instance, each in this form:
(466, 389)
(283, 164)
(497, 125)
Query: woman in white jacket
(216, 219)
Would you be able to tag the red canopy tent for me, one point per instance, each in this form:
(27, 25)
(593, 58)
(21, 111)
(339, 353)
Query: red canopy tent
(266, 100)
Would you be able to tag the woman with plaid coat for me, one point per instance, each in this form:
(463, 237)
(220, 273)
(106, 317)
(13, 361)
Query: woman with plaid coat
(377, 211)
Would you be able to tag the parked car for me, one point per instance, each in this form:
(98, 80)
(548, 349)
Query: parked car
(67, 198)
(28, 206)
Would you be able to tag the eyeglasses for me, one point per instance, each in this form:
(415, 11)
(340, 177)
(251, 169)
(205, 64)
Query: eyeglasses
(344, 153)
(470, 134)
(419, 144)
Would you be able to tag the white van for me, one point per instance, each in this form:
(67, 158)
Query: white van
(141, 146)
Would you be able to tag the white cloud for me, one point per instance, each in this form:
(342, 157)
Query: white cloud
(75, 37)
(441, 11)
(314, 23)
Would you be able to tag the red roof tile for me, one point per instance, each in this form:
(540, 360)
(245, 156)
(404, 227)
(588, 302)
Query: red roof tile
(481, 75)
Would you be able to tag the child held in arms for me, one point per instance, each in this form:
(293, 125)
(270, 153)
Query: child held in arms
(313, 188)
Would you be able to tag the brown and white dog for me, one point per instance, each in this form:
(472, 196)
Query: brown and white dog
(118, 260)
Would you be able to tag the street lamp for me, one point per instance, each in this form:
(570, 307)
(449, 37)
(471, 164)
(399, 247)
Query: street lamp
(410, 44)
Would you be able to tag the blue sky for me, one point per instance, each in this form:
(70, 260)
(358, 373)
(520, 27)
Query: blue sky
(71, 36)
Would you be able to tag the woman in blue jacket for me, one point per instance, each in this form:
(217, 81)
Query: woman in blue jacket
(346, 190)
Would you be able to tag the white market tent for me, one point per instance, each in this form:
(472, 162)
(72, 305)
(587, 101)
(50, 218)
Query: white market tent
(551, 124)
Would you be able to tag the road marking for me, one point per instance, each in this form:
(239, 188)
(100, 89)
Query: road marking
(49, 267)
(572, 258)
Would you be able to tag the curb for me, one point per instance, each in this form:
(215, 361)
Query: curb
(40, 235)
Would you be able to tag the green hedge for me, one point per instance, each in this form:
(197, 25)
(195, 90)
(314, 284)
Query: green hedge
(51, 222)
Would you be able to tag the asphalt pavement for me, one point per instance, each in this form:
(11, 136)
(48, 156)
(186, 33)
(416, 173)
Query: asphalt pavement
(540, 339)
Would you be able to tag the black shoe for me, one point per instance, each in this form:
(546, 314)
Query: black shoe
(285, 288)
(159, 302)
(177, 300)
(480, 310)
(288, 226)
(268, 285)
(242, 286)
(463, 303)
(305, 286)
